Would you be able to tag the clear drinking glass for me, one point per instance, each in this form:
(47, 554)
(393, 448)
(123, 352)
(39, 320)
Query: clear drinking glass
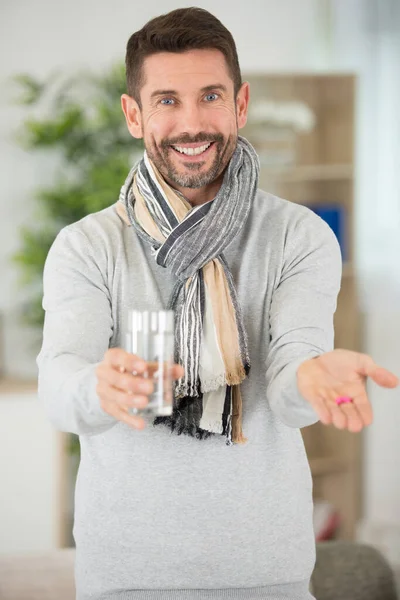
(150, 336)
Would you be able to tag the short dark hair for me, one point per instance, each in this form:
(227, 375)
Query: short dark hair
(179, 31)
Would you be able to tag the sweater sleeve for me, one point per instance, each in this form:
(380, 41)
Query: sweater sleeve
(301, 315)
(77, 331)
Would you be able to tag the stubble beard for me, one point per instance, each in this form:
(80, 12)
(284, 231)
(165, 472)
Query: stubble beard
(161, 157)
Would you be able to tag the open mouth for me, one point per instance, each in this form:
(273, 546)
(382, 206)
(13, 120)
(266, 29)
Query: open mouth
(193, 153)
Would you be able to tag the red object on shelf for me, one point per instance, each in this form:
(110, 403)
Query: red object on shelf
(326, 520)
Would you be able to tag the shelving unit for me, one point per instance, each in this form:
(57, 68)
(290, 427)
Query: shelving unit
(31, 472)
(11, 385)
(308, 167)
(310, 173)
(65, 467)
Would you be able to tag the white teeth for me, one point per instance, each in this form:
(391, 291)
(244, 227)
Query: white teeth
(192, 151)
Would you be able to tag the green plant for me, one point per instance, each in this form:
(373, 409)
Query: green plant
(82, 122)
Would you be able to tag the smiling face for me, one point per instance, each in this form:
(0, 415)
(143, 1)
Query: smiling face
(189, 119)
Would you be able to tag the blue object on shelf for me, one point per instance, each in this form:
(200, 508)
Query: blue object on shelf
(334, 216)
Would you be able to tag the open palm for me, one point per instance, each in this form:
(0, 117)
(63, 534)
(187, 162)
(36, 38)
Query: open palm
(342, 373)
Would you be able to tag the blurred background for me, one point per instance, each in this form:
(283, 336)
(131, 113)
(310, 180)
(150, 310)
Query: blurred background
(325, 120)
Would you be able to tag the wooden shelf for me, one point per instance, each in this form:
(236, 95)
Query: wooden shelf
(348, 269)
(327, 465)
(320, 171)
(9, 385)
(310, 173)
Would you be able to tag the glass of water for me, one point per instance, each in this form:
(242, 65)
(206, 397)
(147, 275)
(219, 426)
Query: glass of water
(150, 336)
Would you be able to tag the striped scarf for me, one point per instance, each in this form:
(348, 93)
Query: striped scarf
(210, 338)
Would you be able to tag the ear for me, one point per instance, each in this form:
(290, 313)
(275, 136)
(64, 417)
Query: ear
(242, 104)
(133, 116)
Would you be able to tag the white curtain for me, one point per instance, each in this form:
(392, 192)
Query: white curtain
(365, 38)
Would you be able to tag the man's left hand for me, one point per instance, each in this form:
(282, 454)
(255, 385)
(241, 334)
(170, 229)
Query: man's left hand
(342, 373)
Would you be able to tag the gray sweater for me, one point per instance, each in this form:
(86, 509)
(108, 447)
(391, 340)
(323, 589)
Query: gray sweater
(164, 517)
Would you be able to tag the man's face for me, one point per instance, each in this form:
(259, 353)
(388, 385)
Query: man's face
(190, 117)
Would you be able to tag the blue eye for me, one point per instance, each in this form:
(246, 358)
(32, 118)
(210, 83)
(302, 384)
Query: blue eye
(211, 97)
(167, 101)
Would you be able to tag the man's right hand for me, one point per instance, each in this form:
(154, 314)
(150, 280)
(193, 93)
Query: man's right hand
(122, 386)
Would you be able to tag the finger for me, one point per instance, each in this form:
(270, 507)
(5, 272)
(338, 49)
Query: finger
(120, 412)
(125, 381)
(338, 417)
(178, 371)
(124, 361)
(354, 421)
(380, 375)
(175, 371)
(357, 414)
(383, 377)
(124, 400)
(130, 420)
(364, 408)
(127, 401)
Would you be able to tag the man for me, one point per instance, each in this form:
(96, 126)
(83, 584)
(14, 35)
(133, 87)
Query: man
(225, 509)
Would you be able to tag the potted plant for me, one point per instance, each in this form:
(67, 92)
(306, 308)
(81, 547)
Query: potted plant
(80, 120)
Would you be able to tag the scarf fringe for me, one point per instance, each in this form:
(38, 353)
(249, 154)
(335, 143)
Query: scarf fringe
(237, 432)
(234, 379)
(210, 385)
(190, 429)
(237, 411)
(214, 426)
(186, 389)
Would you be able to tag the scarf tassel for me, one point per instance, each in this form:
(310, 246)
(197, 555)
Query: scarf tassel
(237, 412)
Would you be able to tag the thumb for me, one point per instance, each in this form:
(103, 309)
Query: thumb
(382, 376)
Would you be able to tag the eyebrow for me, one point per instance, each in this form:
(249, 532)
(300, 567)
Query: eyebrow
(207, 88)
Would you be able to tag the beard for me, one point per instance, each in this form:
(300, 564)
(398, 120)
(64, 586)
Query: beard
(190, 174)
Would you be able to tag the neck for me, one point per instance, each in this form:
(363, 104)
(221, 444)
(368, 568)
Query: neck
(202, 195)
(198, 196)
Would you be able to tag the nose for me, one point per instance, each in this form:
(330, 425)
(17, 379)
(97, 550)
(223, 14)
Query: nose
(192, 119)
